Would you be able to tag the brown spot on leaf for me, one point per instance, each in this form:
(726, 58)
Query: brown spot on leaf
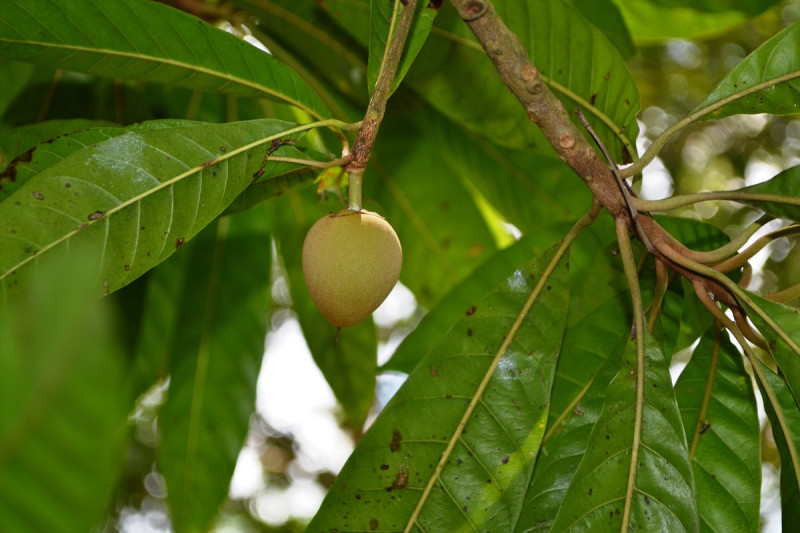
(38, 195)
(471, 311)
(397, 438)
(97, 215)
(373, 524)
(180, 242)
(400, 480)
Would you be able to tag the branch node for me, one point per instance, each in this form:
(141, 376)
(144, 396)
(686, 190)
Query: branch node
(566, 141)
(473, 10)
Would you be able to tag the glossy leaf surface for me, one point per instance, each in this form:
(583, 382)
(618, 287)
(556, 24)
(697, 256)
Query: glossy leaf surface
(456, 445)
(764, 81)
(214, 362)
(146, 41)
(719, 413)
(131, 201)
(781, 329)
(782, 194)
(781, 408)
(663, 495)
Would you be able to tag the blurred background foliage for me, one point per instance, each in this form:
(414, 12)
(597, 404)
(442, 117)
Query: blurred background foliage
(676, 56)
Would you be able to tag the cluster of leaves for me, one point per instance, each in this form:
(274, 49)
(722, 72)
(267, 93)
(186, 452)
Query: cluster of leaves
(134, 140)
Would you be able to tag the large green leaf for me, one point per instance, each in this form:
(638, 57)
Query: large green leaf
(439, 321)
(304, 29)
(650, 23)
(455, 447)
(23, 138)
(764, 82)
(599, 315)
(663, 495)
(719, 413)
(51, 150)
(778, 196)
(14, 75)
(130, 201)
(347, 358)
(525, 187)
(607, 17)
(63, 404)
(784, 417)
(780, 326)
(564, 445)
(382, 29)
(442, 230)
(148, 41)
(215, 356)
(751, 7)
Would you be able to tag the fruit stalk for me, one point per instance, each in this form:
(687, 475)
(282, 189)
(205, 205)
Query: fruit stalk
(365, 138)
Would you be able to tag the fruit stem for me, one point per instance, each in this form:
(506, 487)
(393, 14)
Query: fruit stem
(365, 138)
(355, 179)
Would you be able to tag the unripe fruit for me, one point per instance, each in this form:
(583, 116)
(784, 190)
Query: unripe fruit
(351, 262)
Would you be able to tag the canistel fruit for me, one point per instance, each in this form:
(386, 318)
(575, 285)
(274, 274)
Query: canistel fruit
(351, 262)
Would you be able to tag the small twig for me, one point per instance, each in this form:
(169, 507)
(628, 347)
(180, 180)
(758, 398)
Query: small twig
(274, 145)
(786, 295)
(622, 185)
(365, 138)
(740, 259)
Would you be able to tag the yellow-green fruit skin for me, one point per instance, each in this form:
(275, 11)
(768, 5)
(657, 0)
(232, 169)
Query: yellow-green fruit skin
(351, 262)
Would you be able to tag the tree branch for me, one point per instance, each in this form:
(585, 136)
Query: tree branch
(521, 76)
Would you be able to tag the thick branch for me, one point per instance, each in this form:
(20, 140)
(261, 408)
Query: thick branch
(521, 76)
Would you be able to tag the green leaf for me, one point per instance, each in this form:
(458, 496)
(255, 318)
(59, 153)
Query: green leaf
(439, 321)
(589, 73)
(15, 76)
(442, 230)
(564, 445)
(606, 16)
(24, 138)
(751, 7)
(764, 82)
(63, 404)
(663, 493)
(456, 444)
(216, 353)
(305, 29)
(130, 201)
(779, 196)
(780, 326)
(147, 41)
(347, 358)
(164, 287)
(599, 314)
(784, 417)
(382, 31)
(719, 413)
(651, 23)
(51, 150)
(503, 175)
